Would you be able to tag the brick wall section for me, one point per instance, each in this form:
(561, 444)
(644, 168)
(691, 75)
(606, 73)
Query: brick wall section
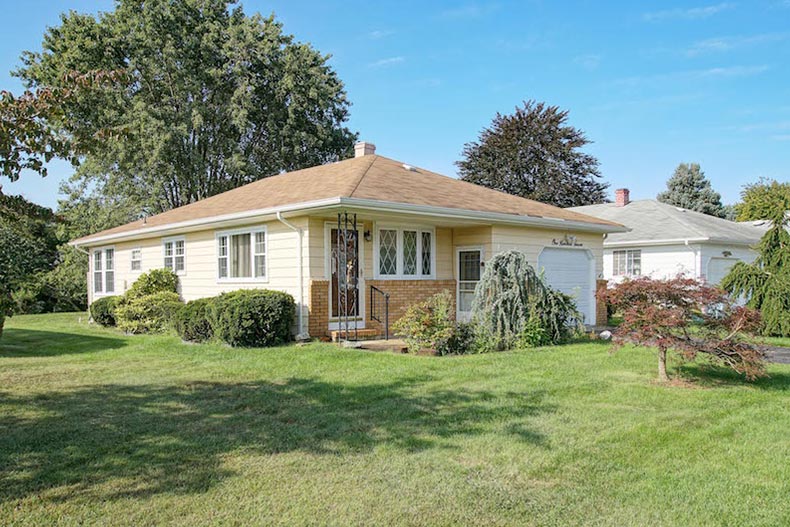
(318, 318)
(403, 293)
(601, 316)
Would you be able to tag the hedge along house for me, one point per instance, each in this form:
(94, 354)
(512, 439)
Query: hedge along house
(417, 233)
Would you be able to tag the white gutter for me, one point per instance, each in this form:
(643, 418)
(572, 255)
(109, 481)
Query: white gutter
(676, 241)
(363, 204)
(301, 333)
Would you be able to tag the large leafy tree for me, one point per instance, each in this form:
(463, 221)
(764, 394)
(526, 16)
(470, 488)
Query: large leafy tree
(766, 281)
(534, 153)
(689, 188)
(760, 200)
(208, 99)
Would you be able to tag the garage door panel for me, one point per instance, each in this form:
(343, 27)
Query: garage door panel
(570, 271)
(718, 268)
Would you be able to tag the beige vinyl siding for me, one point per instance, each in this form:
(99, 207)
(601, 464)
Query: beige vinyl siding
(532, 241)
(200, 277)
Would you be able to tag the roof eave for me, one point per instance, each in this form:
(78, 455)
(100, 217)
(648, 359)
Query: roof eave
(358, 203)
(675, 241)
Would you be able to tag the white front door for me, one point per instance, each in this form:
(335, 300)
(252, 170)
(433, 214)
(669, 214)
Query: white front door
(469, 267)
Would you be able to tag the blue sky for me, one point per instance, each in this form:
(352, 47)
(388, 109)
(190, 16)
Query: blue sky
(651, 83)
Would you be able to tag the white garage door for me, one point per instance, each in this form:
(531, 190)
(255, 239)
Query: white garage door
(571, 271)
(718, 269)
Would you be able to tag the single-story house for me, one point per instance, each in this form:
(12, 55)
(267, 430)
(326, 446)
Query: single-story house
(664, 240)
(417, 233)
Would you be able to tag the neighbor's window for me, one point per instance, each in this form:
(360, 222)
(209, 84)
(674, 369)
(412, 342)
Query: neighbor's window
(175, 254)
(627, 263)
(242, 254)
(104, 271)
(137, 260)
(405, 252)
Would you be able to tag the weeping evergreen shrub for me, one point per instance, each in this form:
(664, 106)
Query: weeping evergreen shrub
(513, 305)
(766, 281)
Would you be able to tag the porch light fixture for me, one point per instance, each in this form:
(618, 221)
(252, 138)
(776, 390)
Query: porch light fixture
(368, 236)
(726, 254)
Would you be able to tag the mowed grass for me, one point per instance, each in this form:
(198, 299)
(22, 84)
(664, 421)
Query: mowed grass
(97, 428)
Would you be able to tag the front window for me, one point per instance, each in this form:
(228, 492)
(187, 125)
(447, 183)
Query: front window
(627, 263)
(104, 271)
(405, 252)
(175, 255)
(241, 255)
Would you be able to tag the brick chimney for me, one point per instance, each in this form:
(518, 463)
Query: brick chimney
(364, 149)
(622, 197)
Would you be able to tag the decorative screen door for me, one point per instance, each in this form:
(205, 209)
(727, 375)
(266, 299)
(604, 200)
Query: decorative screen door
(469, 262)
(345, 273)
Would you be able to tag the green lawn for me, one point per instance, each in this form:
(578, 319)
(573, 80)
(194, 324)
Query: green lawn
(99, 428)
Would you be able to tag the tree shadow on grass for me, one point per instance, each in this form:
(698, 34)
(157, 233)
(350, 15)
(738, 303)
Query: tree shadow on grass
(132, 441)
(33, 343)
(707, 374)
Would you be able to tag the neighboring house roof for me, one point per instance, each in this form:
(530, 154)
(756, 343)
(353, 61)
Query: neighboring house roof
(655, 223)
(369, 181)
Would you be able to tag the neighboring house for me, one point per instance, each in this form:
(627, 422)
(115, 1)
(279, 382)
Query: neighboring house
(665, 240)
(418, 233)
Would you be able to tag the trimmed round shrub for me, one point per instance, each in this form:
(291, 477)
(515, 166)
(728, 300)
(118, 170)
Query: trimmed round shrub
(193, 321)
(148, 314)
(152, 282)
(103, 310)
(253, 318)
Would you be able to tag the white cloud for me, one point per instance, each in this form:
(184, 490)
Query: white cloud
(589, 62)
(691, 13)
(379, 33)
(691, 75)
(721, 44)
(386, 62)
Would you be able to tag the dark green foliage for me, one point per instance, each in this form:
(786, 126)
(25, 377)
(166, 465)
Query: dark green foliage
(689, 188)
(154, 313)
(253, 318)
(760, 200)
(27, 246)
(204, 99)
(431, 325)
(535, 154)
(152, 282)
(193, 321)
(512, 300)
(766, 281)
(103, 310)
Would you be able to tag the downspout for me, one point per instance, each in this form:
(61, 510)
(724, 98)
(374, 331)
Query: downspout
(301, 333)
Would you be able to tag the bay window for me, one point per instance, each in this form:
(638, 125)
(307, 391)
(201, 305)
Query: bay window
(241, 254)
(104, 271)
(175, 254)
(404, 252)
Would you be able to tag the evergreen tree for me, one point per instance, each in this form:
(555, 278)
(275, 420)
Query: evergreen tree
(535, 154)
(766, 281)
(689, 188)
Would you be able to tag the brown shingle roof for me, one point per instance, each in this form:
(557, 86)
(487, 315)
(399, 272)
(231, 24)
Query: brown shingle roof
(370, 177)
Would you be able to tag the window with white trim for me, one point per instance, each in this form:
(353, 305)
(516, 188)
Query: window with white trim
(104, 271)
(627, 262)
(404, 252)
(136, 259)
(175, 254)
(241, 254)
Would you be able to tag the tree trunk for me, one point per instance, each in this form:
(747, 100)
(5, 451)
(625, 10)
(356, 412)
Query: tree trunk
(662, 366)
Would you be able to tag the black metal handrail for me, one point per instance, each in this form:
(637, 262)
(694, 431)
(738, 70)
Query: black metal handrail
(377, 297)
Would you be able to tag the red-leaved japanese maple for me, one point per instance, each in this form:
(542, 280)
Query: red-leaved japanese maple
(689, 317)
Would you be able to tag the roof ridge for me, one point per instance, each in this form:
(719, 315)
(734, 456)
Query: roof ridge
(671, 216)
